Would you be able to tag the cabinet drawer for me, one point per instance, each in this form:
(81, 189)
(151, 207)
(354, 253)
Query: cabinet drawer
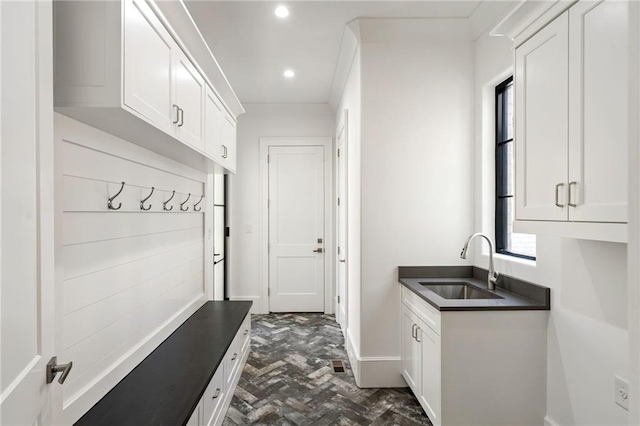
(213, 396)
(244, 334)
(231, 360)
(426, 312)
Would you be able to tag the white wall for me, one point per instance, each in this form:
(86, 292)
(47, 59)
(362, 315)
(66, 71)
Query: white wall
(587, 335)
(351, 101)
(244, 190)
(416, 179)
(128, 278)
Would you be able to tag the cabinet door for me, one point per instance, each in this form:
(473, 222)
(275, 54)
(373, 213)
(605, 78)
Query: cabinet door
(196, 417)
(410, 356)
(213, 396)
(229, 142)
(598, 110)
(148, 68)
(430, 375)
(189, 95)
(541, 140)
(212, 125)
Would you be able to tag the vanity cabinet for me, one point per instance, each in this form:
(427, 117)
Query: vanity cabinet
(119, 67)
(476, 367)
(571, 123)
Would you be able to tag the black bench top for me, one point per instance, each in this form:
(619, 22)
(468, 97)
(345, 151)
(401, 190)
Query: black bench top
(166, 387)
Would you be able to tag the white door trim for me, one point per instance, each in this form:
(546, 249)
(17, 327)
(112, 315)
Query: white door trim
(342, 128)
(265, 143)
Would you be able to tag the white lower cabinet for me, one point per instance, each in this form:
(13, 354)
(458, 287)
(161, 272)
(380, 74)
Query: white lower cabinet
(475, 367)
(212, 408)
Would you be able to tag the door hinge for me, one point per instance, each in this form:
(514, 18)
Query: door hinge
(338, 153)
(338, 201)
(338, 250)
(267, 158)
(338, 299)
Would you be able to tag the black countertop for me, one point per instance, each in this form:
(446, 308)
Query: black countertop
(166, 386)
(514, 294)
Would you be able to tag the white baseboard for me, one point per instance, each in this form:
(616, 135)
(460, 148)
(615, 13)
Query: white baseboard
(374, 372)
(257, 304)
(381, 372)
(92, 393)
(354, 356)
(548, 421)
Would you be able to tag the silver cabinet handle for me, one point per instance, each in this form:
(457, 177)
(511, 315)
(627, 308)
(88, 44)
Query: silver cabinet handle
(54, 368)
(181, 117)
(176, 108)
(318, 250)
(235, 355)
(217, 394)
(557, 195)
(246, 332)
(417, 331)
(413, 331)
(571, 185)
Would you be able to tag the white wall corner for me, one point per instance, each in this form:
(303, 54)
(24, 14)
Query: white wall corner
(348, 50)
(354, 356)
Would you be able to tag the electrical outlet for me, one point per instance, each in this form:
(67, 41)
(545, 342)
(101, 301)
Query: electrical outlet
(622, 392)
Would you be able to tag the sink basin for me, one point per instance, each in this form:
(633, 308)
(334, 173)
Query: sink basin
(459, 290)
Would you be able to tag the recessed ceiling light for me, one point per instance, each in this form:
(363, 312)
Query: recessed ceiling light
(289, 73)
(281, 12)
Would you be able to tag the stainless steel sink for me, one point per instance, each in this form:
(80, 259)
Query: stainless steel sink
(459, 290)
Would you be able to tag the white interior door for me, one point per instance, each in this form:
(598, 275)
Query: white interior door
(27, 312)
(341, 216)
(296, 228)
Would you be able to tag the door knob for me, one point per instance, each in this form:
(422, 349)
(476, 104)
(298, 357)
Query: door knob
(53, 368)
(319, 250)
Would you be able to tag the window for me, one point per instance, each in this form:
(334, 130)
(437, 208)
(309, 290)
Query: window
(507, 241)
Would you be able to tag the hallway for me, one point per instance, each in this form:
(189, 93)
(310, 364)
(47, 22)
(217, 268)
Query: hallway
(287, 380)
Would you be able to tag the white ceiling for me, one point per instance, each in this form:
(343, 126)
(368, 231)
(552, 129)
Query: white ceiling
(254, 47)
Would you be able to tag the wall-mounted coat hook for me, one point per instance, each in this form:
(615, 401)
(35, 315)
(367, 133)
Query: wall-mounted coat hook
(195, 206)
(145, 200)
(110, 200)
(182, 207)
(164, 204)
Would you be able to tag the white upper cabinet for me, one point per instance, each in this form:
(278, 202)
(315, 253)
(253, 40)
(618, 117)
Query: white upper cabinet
(228, 137)
(189, 92)
(541, 92)
(120, 67)
(148, 65)
(598, 111)
(212, 125)
(572, 107)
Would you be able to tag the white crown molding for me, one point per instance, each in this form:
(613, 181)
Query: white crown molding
(529, 16)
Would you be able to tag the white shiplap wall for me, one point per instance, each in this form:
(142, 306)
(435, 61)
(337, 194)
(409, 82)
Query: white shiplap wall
(127, 278)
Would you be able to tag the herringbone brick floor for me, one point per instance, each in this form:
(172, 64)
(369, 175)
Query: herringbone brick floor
(287, 380)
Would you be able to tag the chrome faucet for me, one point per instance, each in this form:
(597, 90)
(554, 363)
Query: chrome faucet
(493, 275)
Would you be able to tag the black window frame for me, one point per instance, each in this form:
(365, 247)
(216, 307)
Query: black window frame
(501, 173)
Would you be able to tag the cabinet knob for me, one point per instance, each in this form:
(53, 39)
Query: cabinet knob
(246, 332)
(217, 394)
(233, 358)
(571, 185)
